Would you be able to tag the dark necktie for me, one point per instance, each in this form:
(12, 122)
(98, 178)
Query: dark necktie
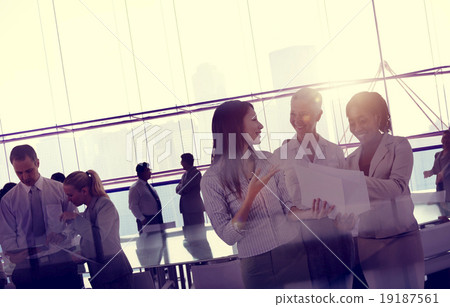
(158, 203)
(38, 224)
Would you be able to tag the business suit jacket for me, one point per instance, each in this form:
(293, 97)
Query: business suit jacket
(391, 211)
(189, 189)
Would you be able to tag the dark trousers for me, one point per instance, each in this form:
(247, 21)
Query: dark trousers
(196, 218)
(123, 282)
(283, 267)
(56, 271)
(153, 220)
(327, 256)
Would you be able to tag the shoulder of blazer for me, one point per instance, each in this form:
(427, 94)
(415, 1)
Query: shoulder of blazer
(392, 141)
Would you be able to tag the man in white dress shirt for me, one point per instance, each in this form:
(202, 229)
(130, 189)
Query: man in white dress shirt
(143, 199)
(31, 232)
(306, 147)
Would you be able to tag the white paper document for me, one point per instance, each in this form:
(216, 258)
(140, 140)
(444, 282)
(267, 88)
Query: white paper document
(345, 189)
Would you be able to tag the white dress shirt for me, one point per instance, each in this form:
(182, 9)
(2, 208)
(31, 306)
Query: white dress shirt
(16, 219)
(141, 201)
(108, 224)
(267, 226)
(291, 153)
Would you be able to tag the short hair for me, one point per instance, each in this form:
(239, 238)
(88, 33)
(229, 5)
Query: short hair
(375, 104)
(20, 153)
(188, 157)
(58, 177)
(310, 95)
(8, 186)
(141, 167)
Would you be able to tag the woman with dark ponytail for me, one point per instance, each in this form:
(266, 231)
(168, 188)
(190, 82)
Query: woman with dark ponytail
(98, 226)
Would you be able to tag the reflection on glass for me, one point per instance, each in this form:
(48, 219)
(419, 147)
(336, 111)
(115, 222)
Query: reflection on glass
(150, 248)
(196, 243)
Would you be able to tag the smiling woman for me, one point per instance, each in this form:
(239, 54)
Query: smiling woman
(389, 243)
(247, 202)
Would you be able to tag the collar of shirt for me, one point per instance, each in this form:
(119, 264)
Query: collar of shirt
(142, 181)
(294, 144)
(39, 184)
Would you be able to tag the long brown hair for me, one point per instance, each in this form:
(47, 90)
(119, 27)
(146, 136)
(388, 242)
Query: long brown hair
(88, 179)
(229, 144)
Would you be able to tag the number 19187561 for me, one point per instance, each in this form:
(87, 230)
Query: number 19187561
(405, 298)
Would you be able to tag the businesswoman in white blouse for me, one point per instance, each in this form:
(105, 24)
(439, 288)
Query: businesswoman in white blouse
(247, 203)
(98, 226)
(389, 243)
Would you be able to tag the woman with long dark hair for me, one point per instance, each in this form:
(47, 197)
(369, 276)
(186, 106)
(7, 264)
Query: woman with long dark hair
(389, 243)
(247, 202)
(98, 226)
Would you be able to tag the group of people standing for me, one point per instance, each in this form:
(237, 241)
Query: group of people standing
(39, 223)
(253, 199)
(39, 220)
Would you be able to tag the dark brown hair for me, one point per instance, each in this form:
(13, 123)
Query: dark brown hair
(375, 104)
(20, 152)
(228, 122)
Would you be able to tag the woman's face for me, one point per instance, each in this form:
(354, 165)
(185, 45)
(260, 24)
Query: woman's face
(304, 117)
(252, 127)
(77, 198)
(363, 124)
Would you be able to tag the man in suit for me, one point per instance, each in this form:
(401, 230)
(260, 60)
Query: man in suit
(191, 203)
(143, 199)
(31, 232)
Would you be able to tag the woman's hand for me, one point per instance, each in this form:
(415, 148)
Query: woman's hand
(68, 216)
(257, 182)
(345, 222)
(319, 209)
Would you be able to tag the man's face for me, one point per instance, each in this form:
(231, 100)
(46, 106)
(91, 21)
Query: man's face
(27, 170)
(184, 164)
(304, 116)
(147, 174)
